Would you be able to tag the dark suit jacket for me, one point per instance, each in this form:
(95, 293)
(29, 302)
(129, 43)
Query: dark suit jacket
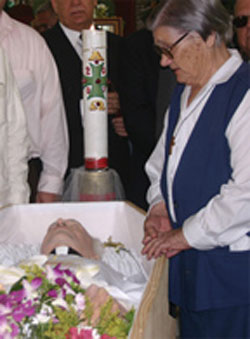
(141, 109)
(70, 72)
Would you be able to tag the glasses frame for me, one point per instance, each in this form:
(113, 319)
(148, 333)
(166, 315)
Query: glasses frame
(167, 50)
(241, 21)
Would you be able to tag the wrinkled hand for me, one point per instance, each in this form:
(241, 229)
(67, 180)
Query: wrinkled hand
(98, 296)
(168, 243)
(45, 197)
(69, 233)
(113, 103)
(159, 236)
(156, 222)
(119, 127)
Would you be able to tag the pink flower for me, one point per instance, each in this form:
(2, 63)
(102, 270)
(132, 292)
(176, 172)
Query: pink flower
(83, 334)
(73, 333)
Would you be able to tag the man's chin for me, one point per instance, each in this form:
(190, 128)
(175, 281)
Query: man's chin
(79, 24)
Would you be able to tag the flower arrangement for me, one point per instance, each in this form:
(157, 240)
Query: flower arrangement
(104, 9)
(49, 302)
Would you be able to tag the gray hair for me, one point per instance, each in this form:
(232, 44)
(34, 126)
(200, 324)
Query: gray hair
(201, 16)
(46, 6)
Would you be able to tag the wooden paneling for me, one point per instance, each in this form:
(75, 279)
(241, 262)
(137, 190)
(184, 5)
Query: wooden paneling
(126, 10)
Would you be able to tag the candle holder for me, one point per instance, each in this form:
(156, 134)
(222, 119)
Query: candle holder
(96, 181)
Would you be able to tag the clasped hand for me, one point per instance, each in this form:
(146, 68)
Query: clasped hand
(159, 236)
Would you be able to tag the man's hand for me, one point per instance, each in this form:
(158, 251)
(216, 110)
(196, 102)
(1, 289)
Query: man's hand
(119, 127)
(45, 197)
(113, 103)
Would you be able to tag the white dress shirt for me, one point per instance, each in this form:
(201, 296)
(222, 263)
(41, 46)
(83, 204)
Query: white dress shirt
(14, 140)
(74, 38)
(225, 220)
(37, 78)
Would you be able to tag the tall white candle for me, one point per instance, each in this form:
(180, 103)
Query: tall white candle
(95, 98)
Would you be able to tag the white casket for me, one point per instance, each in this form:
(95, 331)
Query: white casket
(121, 220)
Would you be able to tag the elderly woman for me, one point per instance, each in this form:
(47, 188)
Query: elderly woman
(199, 196)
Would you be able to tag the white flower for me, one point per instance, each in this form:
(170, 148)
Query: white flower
(50, 274)
(44, 316)
(60, 302)
(29, 290)
(4, 329)
(9, 276)
(4, 310)
(68, 289)
(79, 302)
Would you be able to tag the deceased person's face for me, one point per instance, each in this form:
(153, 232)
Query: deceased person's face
(69, 232)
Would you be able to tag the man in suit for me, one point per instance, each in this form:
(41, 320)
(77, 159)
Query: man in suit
(63, 41)
(145, 95)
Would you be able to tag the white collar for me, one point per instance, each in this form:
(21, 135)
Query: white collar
(71, 34)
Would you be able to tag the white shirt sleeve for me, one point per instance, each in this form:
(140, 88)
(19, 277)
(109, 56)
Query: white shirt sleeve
(154, 168)
(225, 220)
(54, 133)
(16, 143)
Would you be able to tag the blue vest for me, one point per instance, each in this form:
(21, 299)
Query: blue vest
(215, 278)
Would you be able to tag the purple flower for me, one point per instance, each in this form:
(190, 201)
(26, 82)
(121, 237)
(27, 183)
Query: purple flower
(63, 293)
(72, 275)
(58, 271)
(36, 283)
(15, 330)
(23, 310)
(3, 298)
(29, 309)
(53, 294)
(17, 296)
(2, 319)
(61, 282)
(8, 330)
(18, 313)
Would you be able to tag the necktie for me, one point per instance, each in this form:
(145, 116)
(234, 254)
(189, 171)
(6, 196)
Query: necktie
(79, 45)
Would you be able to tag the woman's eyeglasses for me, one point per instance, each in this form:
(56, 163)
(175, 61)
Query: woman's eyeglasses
(240, 21)
(167, 50)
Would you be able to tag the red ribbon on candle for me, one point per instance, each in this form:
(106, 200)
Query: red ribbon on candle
(95, 164)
